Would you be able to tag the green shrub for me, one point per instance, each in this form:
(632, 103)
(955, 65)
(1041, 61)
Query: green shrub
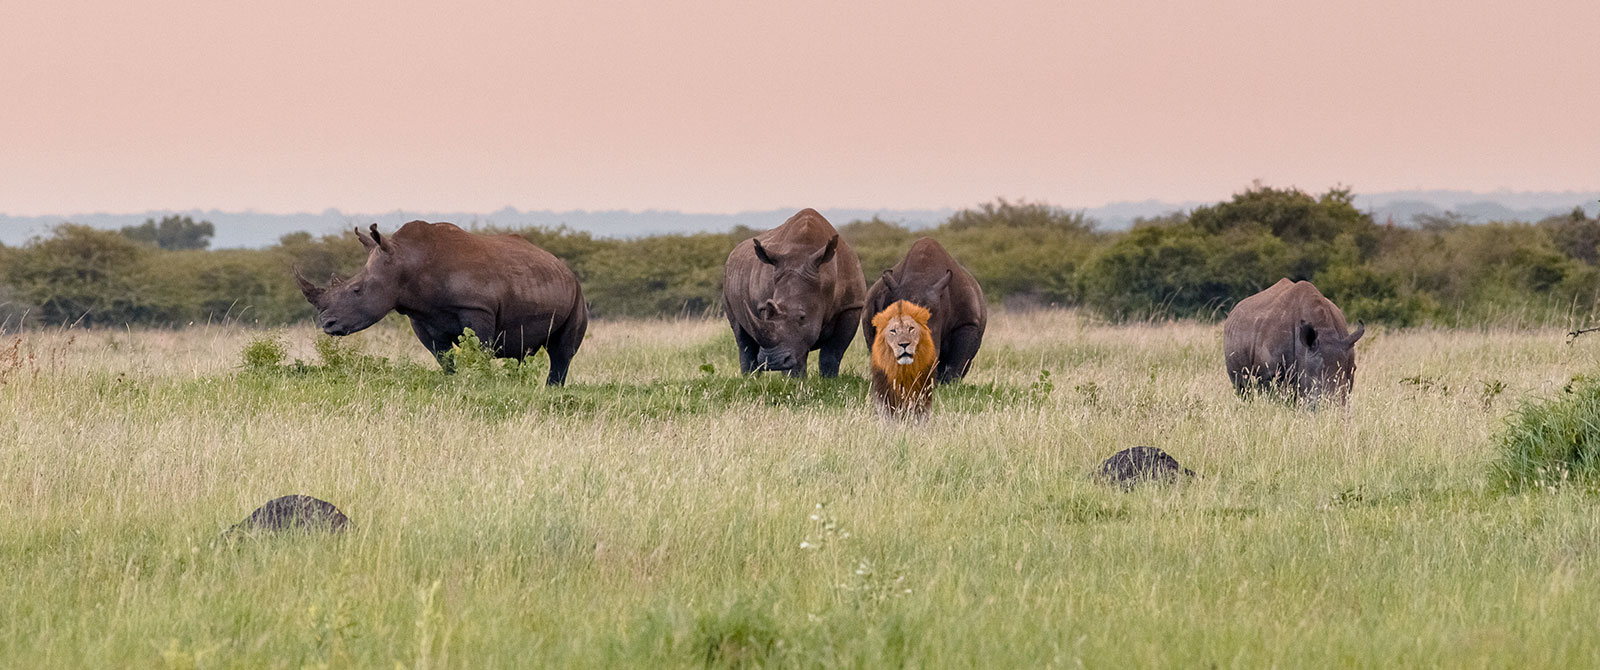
(264, 353)
(469, 356)
(1551, 441)
(337, 353)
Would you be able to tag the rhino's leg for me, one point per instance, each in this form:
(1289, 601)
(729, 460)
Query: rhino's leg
(436, 343)
(834, 345)
(747, 350)
(957, 352)
(563, 346)
(482, 323)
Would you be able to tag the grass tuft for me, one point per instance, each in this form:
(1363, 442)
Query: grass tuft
(1551, 441)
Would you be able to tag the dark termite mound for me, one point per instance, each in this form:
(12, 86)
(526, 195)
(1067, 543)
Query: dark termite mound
(1130, 467)
(292, 513)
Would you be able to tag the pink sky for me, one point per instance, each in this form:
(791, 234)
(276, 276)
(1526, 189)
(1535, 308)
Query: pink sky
(721, 106)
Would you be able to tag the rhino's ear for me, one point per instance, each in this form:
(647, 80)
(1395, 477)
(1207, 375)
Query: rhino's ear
(1306, 335)
(1361, 329)
(382, 242)
(827, 251)
(761, 252)
(889, 280)
(366, 240)
(943, 283)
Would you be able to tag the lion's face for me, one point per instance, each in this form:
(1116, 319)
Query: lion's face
(902, 335)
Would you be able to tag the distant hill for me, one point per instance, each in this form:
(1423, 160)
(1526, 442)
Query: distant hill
(256, 229)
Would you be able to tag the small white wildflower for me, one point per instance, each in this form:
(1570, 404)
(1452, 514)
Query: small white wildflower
(806, 545)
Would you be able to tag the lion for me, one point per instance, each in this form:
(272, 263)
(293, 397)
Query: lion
(903, 357)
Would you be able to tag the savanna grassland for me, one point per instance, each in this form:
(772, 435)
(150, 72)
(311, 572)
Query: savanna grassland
(661, 511)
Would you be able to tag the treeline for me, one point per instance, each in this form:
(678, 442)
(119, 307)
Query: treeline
(1440, 270)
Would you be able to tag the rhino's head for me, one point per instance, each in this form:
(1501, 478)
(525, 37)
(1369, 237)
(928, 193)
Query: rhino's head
(1326, 363)
(788, 323)
(931, 295)
(345, 306)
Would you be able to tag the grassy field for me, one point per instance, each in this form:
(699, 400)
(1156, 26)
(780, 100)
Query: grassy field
(660, 511)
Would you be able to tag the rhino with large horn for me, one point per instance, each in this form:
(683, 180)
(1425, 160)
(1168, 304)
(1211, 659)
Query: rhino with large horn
(792, 290)
(512, 294)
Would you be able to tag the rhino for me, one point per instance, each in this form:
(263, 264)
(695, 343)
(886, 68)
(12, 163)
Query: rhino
(1290, 337)
(512, 294)
(928, 276)
(792, 290)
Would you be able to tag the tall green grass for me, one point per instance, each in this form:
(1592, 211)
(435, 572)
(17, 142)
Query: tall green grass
(655, 514)
(1552, 441)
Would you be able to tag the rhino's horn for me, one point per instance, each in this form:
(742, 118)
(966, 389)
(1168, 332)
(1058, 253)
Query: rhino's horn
(311, 291)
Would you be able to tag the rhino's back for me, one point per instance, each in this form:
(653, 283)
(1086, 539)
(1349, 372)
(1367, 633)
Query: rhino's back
(450, 269)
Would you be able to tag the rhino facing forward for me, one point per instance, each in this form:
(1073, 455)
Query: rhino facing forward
(792, 290)
(929, 277)
(512, 294)
(1291, 337)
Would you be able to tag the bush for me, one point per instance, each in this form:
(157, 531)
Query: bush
(1179, 271)
(264, 353)
(1548, 442)
(80, 275)
(1020, 214)
(337, 353)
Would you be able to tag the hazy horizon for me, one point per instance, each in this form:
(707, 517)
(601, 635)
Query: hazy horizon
(258, 229)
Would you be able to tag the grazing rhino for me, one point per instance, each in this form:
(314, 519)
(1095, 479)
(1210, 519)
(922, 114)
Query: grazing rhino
(792, 290)
(930, 277)
(514, 295)
(1291, 337)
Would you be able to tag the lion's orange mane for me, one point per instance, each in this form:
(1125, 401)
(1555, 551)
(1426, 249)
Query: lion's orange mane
(903, 389)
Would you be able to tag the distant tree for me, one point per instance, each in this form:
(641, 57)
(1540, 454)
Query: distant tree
(1289, 214)
(1576, 235)
(1440, 222)
(80, 275)
(1021, 214)
(1168, 219)
(172, 233)
(879, 244)
(1318, 230)
(1178, 270)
